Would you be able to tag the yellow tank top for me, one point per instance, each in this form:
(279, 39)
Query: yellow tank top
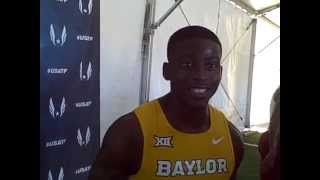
(169, 154)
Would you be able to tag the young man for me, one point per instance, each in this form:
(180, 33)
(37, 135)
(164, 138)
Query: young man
(178, 136)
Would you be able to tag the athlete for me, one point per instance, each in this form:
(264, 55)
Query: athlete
(179, 135)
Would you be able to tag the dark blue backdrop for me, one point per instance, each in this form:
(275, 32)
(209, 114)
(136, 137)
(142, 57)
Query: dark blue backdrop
(69, 88)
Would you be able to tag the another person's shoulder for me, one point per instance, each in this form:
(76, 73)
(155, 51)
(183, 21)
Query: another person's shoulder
(276, 95)
(275, 101)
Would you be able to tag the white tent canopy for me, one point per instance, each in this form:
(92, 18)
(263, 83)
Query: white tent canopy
(267, 9)
(266, 71)
(133, 41)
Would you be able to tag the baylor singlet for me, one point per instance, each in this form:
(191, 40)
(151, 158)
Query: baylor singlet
(169, 154)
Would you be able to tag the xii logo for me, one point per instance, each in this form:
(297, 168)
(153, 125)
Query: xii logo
(60, 177)
(165, 141)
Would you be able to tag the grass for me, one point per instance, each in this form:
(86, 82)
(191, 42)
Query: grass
(249, 168)
(251, 137)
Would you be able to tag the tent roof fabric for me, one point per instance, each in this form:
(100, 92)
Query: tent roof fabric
(269, 9)
(259, 5)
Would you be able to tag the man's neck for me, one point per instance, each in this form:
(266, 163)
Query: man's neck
(183, 117)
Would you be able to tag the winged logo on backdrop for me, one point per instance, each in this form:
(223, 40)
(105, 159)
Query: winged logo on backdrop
(54, 113)
(60, 177)
(59, 42)
(85, 11)
(88, 73)
(81, 141)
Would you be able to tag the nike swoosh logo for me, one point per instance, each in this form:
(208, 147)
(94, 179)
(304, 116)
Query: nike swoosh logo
(217, 141)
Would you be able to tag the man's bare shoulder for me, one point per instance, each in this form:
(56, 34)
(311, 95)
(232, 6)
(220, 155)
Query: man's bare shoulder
(126, 128)
(121, 152)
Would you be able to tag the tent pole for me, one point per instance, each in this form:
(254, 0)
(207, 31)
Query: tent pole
(169, 11)
(268, 9)
(251, 62)
(263, 17)
(146, 51)
(250, 10)
(147, 42)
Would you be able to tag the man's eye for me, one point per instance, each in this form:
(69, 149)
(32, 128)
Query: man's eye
(213, 66)
(186, 65)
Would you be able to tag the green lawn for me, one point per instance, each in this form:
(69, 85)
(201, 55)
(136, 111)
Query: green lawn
(249, 168)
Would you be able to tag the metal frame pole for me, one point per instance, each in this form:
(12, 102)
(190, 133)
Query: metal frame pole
(251, 63)
(146, 51)
(166, 14)
(147, 43)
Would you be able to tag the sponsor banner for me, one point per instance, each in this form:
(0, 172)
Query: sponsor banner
(69, 88)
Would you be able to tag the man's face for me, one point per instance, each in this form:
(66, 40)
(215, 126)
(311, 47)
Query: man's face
(194, 71)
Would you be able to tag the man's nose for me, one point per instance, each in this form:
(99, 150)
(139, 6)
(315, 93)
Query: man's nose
(199, 72)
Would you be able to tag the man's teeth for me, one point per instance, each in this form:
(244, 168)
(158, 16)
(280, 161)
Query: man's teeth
(199, 90)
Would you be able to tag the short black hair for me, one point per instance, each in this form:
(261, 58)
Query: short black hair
(190, 32)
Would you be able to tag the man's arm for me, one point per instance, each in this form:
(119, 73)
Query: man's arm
(237, 147)
(121, 152)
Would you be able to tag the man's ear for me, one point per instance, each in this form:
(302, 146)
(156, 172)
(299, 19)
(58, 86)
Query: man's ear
(221, 68)
(166, 71)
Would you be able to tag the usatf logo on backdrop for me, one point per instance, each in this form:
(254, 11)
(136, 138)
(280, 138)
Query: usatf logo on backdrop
(60, 177)
(84, 38)
(82, 170)
(85, 75)
(57, 70)
(81, 141)
(54, 112)
(83, 104)
(87, 10)
(56, 39)
(63, 1)
(58, 142)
